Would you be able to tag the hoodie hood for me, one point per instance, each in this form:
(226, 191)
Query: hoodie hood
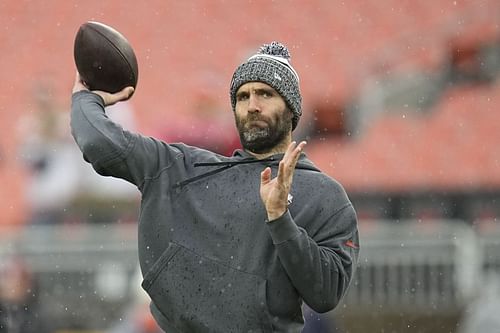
(243, 157)
(302, 163)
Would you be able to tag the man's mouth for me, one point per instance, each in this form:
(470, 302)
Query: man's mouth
(257, 123)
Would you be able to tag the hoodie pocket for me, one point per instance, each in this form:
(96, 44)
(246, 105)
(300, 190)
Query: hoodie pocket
(197, 294)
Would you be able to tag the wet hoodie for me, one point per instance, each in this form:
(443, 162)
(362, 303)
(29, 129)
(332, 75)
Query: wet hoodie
(211, 261)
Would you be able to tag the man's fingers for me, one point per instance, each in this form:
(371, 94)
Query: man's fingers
(301, 145)
(297, 151)
(265, 176)
(282, 172)
(289, 151)
(293, 151)
(286, 166)
(289, 161)
(122, 95)
(110, 99)
(125, 93)
(292, 154)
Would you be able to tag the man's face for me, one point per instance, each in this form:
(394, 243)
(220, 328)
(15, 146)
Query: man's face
(262, 117)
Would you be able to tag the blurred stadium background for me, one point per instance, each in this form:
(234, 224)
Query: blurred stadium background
(401, 103)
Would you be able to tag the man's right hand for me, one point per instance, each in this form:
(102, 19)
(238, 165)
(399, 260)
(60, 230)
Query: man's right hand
(108, 98)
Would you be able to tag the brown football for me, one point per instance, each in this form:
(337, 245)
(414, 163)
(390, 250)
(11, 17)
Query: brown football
(104, 58)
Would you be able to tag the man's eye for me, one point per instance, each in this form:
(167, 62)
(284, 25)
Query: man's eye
(242, 97)
(266, 94)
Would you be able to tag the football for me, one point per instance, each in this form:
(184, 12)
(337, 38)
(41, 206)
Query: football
(104, 58)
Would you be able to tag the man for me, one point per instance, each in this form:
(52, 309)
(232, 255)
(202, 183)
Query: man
(231, 244)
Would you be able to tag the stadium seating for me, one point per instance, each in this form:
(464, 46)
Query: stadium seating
(335, 47)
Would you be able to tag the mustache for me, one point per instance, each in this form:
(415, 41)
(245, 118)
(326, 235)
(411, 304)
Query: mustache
(256, 117)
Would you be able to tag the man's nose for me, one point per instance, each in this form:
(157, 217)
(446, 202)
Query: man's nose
(253, 104)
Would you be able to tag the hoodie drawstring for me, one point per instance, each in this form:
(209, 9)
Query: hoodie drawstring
(225, 165)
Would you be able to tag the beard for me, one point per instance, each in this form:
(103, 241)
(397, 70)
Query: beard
(262, 139)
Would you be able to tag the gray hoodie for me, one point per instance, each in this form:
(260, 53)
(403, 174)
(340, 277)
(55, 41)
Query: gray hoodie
(210, 260)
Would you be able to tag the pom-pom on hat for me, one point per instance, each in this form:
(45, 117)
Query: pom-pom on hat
(271, 65)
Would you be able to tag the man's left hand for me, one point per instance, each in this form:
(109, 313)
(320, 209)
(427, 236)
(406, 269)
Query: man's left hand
(274, 192)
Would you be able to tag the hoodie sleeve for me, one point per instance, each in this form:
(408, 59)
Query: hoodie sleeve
(320, 268)
(110, 149)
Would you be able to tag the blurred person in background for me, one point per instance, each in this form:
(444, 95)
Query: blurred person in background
(231, 244)
(19, 302)
(50, 156)
(59, 184)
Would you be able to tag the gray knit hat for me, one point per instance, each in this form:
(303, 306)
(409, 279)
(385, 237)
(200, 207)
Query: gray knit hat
(271, 65)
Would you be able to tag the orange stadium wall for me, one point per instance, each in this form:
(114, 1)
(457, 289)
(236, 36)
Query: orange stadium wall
(188, 49)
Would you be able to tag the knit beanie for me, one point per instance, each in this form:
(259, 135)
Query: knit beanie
(271, 65)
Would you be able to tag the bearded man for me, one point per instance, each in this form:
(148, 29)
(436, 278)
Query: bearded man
(231, 244)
